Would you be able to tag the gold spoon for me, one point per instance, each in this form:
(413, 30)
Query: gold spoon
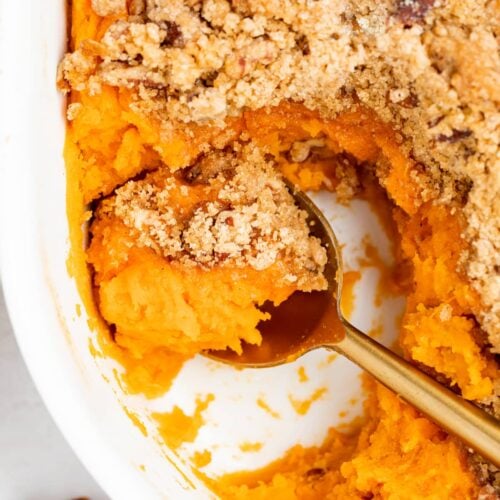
(308, 321)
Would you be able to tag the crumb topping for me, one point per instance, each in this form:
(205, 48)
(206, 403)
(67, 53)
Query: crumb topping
(109, 7)
(429, 67)
(249, 218)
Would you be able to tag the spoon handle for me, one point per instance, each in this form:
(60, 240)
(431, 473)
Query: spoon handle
(474, 426)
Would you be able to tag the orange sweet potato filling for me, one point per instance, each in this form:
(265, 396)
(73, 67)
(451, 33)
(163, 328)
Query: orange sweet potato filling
(396, 454)
(396, 449)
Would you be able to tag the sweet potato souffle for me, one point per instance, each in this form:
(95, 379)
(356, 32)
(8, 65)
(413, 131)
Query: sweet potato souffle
(185, 118)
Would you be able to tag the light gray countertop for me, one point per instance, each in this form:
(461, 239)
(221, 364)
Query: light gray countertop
(36, 463)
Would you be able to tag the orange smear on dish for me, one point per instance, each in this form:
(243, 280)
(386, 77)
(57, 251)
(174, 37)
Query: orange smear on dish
(176, 428)
(303, 406)
(261, 403)
(135, 419)
(250, 447)
(395, 451)
(387, 284)
(349, 281)
(302, 374)
(376, 331)
(201, 458)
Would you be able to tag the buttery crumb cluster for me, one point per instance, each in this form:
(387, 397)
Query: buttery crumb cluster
(429, 67)
(245, 217)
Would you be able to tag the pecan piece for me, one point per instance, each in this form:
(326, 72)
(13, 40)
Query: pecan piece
(456, 136)
(174, 37)
(413, 11)
(303, 44)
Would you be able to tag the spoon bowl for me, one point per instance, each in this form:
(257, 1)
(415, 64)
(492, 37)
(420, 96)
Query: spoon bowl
(308, 321)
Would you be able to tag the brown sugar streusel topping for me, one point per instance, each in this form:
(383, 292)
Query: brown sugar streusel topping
(430, 67)
(109, 7)
(250, 218)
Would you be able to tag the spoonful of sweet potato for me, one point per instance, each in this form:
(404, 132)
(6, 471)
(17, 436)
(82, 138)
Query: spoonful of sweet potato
(308, 321)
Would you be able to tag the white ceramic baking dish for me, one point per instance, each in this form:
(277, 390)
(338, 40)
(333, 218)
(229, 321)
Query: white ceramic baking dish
(79, 390)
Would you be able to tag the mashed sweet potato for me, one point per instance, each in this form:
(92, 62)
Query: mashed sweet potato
(396, 454)
(163, 312)
(183, 262)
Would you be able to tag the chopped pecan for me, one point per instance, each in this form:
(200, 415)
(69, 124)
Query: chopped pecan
(456, 136)
(174, 37)
(316, 472)
(207, 167)
(436, 121)
(244, 60)
(191, 174)
(412, 11)
(221, 256)
(303, 44)
(137, 7)
(208, 79)
(404, 97)
(301, 150)
(410, 102)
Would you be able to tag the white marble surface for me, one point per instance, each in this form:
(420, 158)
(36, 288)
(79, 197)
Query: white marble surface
(36, 463)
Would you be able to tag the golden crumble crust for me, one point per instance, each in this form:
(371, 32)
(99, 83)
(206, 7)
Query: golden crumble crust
(429, 67)
(247, 217)
(109, 7)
